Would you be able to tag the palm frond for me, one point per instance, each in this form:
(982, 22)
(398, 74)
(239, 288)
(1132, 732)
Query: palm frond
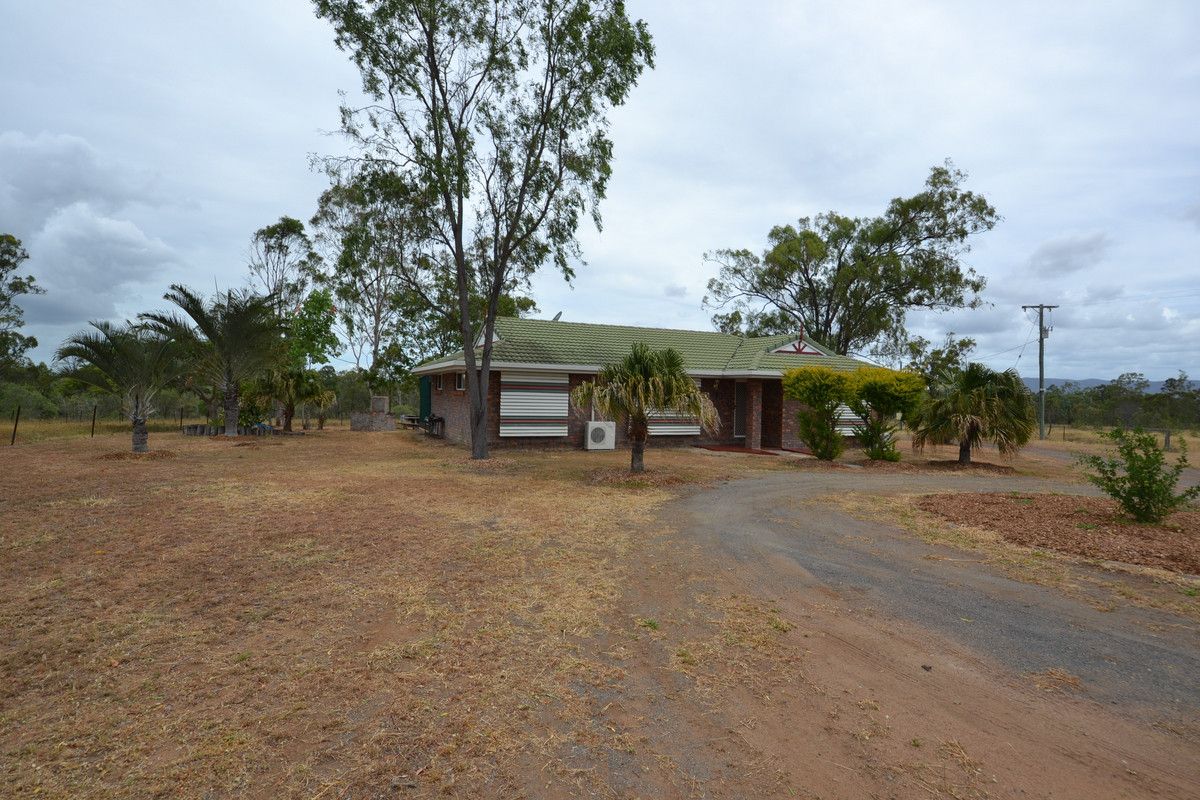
(131, 361)
(644, 383)
(974, 405)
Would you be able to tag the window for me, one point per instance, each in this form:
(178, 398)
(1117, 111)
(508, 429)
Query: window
(437, 382)
(460, 381)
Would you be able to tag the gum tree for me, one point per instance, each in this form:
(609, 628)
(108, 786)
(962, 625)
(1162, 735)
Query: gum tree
(849, 282)
(13, 343)
(488, 123)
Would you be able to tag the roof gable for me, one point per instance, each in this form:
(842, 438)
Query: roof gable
(798, 347)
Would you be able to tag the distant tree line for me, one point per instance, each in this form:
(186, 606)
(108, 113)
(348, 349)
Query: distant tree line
(1125, 402)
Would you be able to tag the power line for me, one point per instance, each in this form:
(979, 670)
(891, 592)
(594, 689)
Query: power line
(1014, 347)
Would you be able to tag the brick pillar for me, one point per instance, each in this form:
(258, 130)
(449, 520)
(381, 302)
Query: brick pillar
(754, 414)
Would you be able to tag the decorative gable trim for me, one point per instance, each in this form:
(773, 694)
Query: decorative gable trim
(797, 348)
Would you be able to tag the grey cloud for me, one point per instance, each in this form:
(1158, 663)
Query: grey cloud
(87, 262)
(43, 173)
(1068, 254)
(1102, 293)
(1075, 121)
(675, 290)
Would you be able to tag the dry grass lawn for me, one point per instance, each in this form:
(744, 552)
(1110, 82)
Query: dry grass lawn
(338, 615)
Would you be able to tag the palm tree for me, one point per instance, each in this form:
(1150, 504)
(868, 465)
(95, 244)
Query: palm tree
(644, 383)
(129, 361)
(235, 337)
(295, 387)
(976, 404)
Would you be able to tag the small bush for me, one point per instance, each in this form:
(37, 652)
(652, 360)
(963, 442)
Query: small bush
(878, 396)
(1139, 478)
(821, 390)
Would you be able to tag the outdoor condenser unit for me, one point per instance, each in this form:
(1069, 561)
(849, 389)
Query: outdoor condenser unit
(601, 436)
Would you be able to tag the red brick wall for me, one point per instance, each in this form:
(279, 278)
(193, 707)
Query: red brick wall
(754, 393)
(452, 405)
(791, 437)
(772, 414)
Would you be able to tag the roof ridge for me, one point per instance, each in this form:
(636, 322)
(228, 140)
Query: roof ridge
(624, 327)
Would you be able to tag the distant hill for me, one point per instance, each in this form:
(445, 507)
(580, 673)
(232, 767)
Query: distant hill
(1085, 383)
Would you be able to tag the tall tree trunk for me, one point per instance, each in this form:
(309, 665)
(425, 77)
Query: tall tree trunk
(289, 411)
(141, 436)
(320, 422)
(964, 451)
(479, 433)
(231, 407)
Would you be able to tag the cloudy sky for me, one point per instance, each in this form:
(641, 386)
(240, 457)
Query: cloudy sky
(141, 143)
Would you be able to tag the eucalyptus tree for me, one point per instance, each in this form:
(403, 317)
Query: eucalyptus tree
(129, 361)
(489, 122)
(283, 263)
(849, 282)
(231, 339)
(365, 241)
(644, 383)
(13, 343)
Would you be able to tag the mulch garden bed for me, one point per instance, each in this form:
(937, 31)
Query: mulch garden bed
(1085, 526)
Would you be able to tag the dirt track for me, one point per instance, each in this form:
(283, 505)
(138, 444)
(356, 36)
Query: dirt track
(905, 670)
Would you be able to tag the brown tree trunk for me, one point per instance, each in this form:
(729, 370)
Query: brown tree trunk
(964, 451)
(637, 453)
(231, 408)
(638, 431)
(321, 422)
(141, 436)
(289, 411)
(479, 417)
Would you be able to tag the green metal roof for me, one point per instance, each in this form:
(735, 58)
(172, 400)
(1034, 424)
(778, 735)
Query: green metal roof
(548, 342)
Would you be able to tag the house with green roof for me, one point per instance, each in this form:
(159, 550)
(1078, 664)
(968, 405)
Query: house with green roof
(536, 363)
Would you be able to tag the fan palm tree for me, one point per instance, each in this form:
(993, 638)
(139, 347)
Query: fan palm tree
(232, 339)
(129, 361)
(973, 405)
(644, 383)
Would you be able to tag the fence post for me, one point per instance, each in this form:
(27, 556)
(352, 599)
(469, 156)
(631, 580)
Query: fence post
(16, 419)
(94, 421)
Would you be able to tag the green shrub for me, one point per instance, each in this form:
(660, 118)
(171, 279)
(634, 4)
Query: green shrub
(34, 405)
(1139, 478)
(878, 396)
(820, 390)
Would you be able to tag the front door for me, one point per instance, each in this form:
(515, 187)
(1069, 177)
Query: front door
(739, 410)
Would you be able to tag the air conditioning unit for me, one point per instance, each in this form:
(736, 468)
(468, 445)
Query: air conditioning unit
(601, 436)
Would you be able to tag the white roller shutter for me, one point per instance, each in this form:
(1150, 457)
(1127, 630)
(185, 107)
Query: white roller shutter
(534, 403)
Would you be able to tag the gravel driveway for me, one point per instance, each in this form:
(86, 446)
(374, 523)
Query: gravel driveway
(1134, 658)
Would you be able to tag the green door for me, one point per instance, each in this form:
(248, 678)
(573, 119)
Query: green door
(426, 397)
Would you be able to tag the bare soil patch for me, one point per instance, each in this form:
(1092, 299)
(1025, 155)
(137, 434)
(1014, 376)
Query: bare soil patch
(153, 455)
(622, 478)
(1092, 527)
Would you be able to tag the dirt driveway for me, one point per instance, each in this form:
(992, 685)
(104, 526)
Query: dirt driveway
(826, 656)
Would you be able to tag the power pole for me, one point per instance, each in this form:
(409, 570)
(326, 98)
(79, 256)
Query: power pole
(1043, 332)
